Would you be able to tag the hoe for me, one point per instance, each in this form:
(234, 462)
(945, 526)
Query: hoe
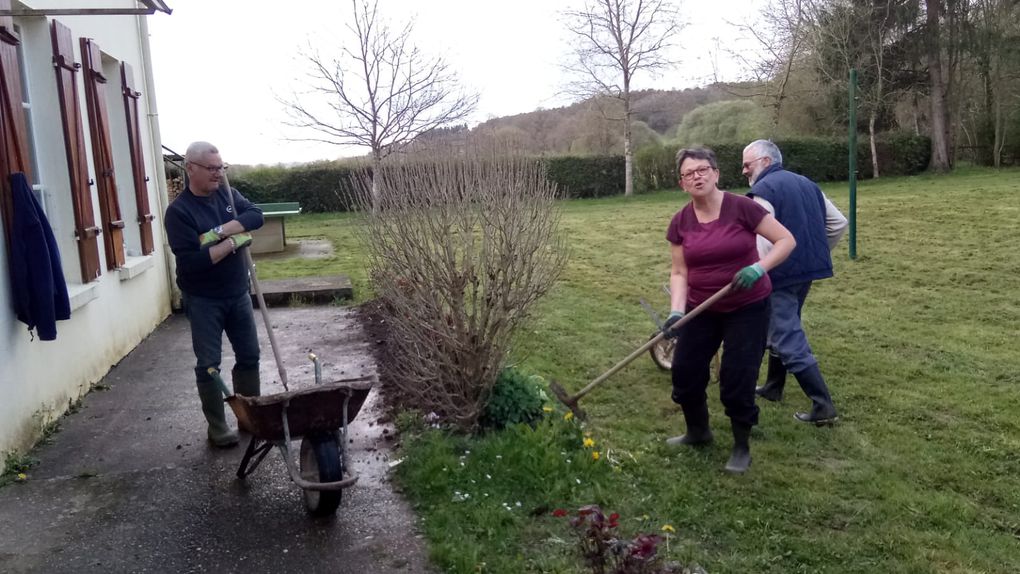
(571, 401)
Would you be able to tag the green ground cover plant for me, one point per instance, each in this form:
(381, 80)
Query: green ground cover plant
(918, 339)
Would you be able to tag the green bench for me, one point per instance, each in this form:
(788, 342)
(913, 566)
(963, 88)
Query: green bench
(272, 236)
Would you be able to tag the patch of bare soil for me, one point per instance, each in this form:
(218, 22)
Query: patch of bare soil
(372, 317)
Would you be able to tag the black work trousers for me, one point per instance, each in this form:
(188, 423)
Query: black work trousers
(742, 334)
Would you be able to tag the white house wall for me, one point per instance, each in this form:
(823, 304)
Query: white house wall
(39, 379)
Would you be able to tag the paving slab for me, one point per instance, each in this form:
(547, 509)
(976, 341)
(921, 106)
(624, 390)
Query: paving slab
(130, 485)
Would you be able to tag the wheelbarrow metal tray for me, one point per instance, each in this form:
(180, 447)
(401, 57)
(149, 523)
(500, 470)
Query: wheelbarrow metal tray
(313, 409)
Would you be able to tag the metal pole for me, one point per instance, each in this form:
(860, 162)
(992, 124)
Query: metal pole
(852, 144)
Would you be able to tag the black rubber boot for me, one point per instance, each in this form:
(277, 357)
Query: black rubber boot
(823, 412)
(246, 382)
(698, 431)
(740, 457)
(775, 380)
(219, 434)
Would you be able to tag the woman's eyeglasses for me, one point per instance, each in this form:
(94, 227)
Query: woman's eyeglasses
(700, 172)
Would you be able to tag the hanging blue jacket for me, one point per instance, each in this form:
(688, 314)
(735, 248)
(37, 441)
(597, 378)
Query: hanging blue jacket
(37, 278)
(800, 207)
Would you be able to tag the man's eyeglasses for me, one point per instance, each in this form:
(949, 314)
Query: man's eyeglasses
(700, 172)
(211, 168)
(747, 164)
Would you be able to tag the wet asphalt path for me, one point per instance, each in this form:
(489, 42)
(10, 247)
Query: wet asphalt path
(129, 484)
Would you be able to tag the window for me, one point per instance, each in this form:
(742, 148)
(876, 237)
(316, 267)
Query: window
(26, 105)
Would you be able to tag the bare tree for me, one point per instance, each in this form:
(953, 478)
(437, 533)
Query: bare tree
(615, 39)
(381, 92)
(996, 25)
(780, 31)
(845, 35)
(459, 250)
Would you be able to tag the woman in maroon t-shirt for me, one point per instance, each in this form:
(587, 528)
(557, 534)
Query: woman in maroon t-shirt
(713, 244)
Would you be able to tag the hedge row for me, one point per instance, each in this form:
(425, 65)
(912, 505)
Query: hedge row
(596, 176)
(324, 188)
(817, 159)
(328, 187)
(321, 188)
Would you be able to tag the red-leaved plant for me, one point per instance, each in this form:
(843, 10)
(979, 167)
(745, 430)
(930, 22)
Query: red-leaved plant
(606, 553)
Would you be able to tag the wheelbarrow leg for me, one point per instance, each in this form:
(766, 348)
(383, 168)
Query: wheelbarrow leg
(257, 450)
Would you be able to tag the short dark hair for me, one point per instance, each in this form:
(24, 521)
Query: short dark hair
(696, 153)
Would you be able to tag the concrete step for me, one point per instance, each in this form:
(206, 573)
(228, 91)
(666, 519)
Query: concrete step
(318, 290)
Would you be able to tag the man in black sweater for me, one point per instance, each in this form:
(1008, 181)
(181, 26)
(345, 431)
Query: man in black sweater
(207, 231)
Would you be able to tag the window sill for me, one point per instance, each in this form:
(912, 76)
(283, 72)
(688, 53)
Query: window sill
(81, 294)
(135, 266)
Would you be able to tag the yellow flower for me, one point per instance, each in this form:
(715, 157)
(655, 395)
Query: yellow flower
(668, 528)
(22, 477)
(547, 409)
(595, 455)
(568, 416)
(588, 443)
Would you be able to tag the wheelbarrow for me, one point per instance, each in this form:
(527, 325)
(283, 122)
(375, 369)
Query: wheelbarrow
(319, 416)
(663, 349)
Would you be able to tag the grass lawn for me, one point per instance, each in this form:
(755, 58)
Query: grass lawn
(918, 339)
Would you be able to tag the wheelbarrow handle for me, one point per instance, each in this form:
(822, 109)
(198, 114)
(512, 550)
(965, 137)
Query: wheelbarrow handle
(253, 275)
(215, 374)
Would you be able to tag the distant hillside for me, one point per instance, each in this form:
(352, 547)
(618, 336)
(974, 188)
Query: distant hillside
(583, 127)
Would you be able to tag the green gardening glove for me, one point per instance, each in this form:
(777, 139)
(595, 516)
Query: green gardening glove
(748, 276)
(240, 240)
(209, 238)
(667, 327)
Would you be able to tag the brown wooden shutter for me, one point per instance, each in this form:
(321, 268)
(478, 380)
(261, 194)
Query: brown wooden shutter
(85, 229)
(102, 153)
(13, 146)
(145, 217)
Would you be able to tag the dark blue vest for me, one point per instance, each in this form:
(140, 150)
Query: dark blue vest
(800, 207)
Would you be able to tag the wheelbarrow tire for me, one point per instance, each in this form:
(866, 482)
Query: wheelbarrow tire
(321, 461)
(662, 352)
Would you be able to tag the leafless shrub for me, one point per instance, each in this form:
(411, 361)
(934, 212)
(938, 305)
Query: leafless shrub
(459, 250)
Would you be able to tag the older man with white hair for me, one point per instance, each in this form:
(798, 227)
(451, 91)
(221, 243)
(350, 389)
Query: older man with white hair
(207, 227)
(817, 225)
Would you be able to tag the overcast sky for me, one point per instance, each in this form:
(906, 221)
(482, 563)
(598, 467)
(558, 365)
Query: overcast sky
(219, 65)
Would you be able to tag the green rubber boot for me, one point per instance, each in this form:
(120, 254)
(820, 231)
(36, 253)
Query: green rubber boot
(219, 433)
(246, 382)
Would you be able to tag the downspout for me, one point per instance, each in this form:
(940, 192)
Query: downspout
(155, 143)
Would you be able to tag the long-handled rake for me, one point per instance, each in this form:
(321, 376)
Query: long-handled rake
(250, 264)
(571, 401)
